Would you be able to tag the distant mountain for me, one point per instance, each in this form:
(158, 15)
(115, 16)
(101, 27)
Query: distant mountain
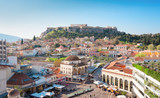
(9, 38)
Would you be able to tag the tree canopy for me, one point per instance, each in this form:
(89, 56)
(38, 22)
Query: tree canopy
(140, 55)
(56, 45)
(146, 39)
(151, 47)
(34, 38)
(158, 47)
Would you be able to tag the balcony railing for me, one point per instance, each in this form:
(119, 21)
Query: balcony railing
(137, 92)
(138, 85)
(139, 78)
(151, 94)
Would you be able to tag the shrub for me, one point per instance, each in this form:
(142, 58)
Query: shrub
(147, 71)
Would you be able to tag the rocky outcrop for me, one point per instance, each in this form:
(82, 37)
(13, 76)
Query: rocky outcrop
(80, 28)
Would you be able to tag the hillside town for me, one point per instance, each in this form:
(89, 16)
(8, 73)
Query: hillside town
(79, 68)
(79, 48)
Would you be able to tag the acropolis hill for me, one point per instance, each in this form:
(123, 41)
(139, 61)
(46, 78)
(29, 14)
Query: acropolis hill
(81, 28)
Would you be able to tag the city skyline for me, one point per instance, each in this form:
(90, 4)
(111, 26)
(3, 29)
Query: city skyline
(26, 18)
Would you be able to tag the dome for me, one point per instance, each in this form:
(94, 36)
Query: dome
(72, 58)
(14, 93)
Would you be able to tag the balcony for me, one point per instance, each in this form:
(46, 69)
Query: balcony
(153, 90)
(137, 92)
(151, 94)
(138, 85)
(139, 78)
(139, 72)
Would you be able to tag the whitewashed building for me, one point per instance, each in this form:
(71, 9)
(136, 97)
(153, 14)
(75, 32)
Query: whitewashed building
(3, 77)
(118, 75)
(73, 67)
(145, 86)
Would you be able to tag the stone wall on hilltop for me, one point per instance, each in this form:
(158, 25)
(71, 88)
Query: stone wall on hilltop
(80, 28)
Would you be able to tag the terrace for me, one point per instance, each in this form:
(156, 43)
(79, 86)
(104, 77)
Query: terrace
(150, 72)
(151, 80)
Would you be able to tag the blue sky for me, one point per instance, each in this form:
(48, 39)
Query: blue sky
(26, 18)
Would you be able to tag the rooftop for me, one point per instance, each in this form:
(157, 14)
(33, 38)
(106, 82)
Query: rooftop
(118, 66)
(19, 79)
(72, 58)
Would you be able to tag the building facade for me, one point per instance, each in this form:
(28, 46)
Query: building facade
(73, 67)
(145, 86)
(3, 91)
(118, 75)
(3, 51)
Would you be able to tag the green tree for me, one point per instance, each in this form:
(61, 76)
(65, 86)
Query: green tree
(57, 63)
(56, 45)
(152, 65)
(34, 38)
(151, 47)
(158, 65)
(14, 44)
(21, 41)
(158, 47)
(140, 55)
(117, 42)
(63, 45)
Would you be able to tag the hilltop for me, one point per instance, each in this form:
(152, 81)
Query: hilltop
(82, 30)
(79, 30)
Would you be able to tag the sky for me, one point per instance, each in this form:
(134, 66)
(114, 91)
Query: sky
(26, 18)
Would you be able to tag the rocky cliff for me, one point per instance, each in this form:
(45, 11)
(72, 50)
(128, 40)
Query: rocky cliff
(80, 28)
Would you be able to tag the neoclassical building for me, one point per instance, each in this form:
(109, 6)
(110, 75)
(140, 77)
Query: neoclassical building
(118, 75)
(73, 67)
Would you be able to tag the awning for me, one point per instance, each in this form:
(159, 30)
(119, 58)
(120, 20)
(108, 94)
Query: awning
(112, 88)
(38, 95)
(58, 86)
(42, 94)
(97, 82)
(105, 85)
(121, 96)
(47, 93)
(49, 88)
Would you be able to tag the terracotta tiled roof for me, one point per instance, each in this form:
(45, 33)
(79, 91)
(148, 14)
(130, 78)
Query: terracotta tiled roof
(55, 70)
(72, 58)
(129, 71)
(60, 75)
(121, 45)
(104, 52)
(152, 58)
(111, 64)
(118, 66)
(19, 79)
(5, 66)
(139, 59)
(48, 75)
(133, 54)
(125, 57)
